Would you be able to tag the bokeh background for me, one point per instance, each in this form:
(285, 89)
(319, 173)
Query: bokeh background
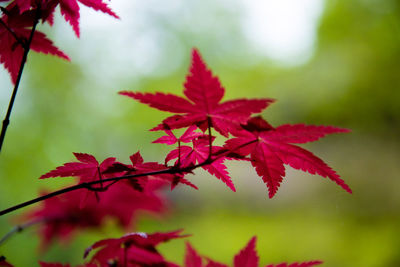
(333, 62)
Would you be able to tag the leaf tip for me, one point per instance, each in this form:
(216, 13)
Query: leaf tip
(348, 189)
(271, 194)
(125, 93)
(195, 52)
(232, 187)
(346, 130)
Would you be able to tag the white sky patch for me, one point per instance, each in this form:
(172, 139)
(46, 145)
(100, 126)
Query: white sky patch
(284, 30)
(119, 48)
(136, 46)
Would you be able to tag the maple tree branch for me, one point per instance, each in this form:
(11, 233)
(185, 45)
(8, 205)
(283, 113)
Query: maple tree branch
(26, 47)
(89, 185)
(18, 229)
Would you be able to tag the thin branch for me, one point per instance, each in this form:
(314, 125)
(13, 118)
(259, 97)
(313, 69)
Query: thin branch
(19, 229)
(6, 120)
(89, 185)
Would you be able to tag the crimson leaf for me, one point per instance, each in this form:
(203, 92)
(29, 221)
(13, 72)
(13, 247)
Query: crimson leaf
(269, 149)
(137, 249)
(202, 105)
(69, 9)
(87, 168)
(192, 258)
(11, 50)
(247, 257)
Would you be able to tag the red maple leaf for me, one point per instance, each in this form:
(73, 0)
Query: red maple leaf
(186, 137)
(247, 257)
(62, 216)
(134, 249)
(12, 50)
(192, 258)
(199, 153)
(202, 105)
(87, 168)
(29, 10)
(69, 9)
(270, 148)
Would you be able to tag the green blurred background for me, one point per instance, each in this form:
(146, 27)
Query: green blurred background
(331, 62)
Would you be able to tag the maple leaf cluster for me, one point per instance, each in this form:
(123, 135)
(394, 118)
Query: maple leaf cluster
(76, 210)
(18, 23)
(119, 191)
(140, 249)
(267, 148)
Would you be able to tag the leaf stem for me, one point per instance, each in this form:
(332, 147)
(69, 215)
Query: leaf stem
(26, 47)
(209, 138)
(100, 177)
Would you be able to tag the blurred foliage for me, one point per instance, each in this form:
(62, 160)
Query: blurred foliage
(358, 58)
(351, 81)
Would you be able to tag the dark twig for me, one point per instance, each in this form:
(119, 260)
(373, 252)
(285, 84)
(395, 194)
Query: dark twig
(6, 120)
(209, 137)
(18, 229)
(88, 185)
